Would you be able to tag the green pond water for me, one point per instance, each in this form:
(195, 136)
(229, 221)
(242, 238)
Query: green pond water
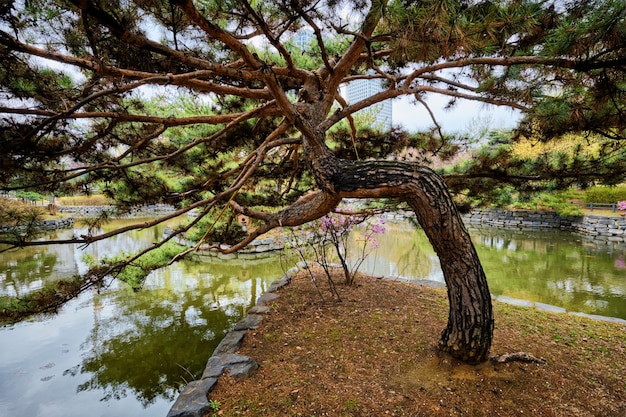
(562, 269)
(124, 353)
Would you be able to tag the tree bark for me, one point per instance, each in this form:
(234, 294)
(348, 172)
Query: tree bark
(469, 331)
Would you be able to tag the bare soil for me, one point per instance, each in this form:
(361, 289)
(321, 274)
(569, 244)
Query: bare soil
(374, 354)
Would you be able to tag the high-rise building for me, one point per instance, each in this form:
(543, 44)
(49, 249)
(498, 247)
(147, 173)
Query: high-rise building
(380, 113)
(303, 38)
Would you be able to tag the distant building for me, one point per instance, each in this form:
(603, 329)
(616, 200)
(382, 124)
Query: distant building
(380, 113)
(303, 38)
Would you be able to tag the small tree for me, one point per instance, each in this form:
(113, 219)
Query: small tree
(337, 232)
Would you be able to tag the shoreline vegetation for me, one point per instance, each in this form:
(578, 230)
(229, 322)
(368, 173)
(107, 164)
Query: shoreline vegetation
(374, 354)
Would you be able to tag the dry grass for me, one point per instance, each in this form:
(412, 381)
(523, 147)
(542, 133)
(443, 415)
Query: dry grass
(373, 354)
(83, 200)
(604, 213)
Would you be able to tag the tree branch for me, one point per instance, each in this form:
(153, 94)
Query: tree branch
(318, 34)
(111, 165)
(434, 119)
(352, 54)
(307, 208)
(170, 121)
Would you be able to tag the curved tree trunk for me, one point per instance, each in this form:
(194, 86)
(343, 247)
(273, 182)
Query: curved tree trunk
(469, 331)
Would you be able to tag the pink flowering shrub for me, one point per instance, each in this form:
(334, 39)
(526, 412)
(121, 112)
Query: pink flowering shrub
(329, 238)
(621, 206)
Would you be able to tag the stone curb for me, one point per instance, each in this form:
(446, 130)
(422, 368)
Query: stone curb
(193, 400)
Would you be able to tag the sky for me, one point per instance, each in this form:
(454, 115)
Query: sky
(466, 116)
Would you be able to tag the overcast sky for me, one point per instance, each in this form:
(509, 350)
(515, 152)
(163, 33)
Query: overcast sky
(465, 116)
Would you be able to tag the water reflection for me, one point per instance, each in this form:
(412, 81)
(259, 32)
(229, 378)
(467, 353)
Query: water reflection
(120, 352)
(27, 269)
(135, 349)
(562, 269)
(403, 251)
(556, 268)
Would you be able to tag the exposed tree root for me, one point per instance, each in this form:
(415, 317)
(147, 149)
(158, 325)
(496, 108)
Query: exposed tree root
(517, 357)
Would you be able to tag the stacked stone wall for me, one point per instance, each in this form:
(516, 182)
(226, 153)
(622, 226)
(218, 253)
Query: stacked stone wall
(43, 225)
(604, 228)
(95, 211)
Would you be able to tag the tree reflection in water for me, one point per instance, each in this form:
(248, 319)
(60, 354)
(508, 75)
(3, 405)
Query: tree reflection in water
(131, 350)
(186, 308)
(563, 269)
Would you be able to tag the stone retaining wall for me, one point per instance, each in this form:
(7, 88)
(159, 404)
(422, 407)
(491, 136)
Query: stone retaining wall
(256, 249)
(521, 219)
(610, 229)
(95, 211)
(44, 225)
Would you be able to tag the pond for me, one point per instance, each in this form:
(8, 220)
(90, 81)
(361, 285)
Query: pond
(124, 353)
(119, 352)
(562, 269)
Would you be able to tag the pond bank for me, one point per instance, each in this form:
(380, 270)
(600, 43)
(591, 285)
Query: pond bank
(95, 211)
(91, 212)
(45, 225)
(610, 229)
(602, 230)
(193, 401)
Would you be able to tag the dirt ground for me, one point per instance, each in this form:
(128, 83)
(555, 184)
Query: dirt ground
(374, 354)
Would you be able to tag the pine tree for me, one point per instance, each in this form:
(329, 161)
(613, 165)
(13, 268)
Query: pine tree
(210, 103)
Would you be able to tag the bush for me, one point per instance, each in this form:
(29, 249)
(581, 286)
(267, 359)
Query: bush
(502, 196)
(16, 213)
(551, 202)
(604, 194)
